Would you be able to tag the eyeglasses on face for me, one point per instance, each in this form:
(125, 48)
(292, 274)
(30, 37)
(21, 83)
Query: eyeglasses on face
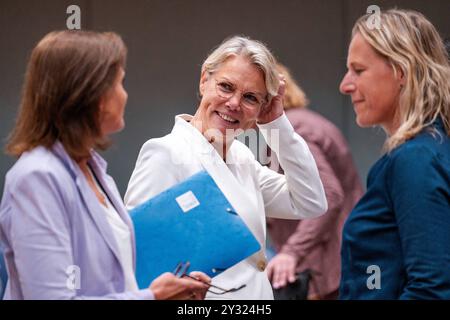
(181, 271)
(250, 100)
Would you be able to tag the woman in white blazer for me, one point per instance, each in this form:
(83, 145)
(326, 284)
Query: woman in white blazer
(239, 86)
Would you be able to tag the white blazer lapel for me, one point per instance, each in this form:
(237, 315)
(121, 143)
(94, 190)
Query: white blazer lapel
(234, 192)
(225, 180)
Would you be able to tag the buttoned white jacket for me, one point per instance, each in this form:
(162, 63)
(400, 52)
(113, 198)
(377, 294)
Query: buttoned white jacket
(253, 190)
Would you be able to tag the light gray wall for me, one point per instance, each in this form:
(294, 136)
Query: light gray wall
(167, 42)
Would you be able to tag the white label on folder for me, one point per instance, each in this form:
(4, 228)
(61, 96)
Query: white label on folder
(187, 201)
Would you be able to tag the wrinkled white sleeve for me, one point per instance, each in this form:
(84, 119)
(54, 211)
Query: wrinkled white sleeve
(299, 193)
(155, 171)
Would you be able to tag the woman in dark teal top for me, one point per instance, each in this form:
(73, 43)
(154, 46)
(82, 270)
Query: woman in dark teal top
(396, 241)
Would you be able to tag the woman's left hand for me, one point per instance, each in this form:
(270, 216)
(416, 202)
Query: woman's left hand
(274, 108)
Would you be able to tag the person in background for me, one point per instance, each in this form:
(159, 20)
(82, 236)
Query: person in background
(63, 226)
(315, 244)
(396, 241)
(239, 85)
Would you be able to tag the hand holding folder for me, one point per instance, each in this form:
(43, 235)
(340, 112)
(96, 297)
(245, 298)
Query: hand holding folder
(192, 221)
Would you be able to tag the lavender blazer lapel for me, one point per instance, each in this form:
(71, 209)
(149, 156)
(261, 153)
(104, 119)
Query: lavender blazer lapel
(110, 188)
(92, 205)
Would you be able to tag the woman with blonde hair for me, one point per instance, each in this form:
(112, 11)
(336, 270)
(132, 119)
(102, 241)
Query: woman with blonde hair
(315, 244)
(239, 85)
(396, 241)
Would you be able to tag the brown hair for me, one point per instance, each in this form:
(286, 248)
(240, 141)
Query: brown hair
(294, 96)
(67, 75)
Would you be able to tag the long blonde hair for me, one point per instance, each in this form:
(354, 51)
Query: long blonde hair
(410, 43)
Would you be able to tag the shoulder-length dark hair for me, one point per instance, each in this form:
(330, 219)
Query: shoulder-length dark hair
(67, 75)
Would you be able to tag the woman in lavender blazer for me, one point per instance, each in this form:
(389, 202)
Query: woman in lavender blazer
(63, 227)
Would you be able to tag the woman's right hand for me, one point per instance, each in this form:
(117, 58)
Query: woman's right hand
(281, 270)
(169, 287)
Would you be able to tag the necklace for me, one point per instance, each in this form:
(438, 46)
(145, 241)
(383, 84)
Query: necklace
(95, 186)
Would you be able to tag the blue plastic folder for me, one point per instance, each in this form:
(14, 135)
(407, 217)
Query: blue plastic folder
(192, 221)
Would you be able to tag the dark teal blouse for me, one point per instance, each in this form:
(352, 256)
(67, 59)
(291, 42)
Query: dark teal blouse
(396, 241)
